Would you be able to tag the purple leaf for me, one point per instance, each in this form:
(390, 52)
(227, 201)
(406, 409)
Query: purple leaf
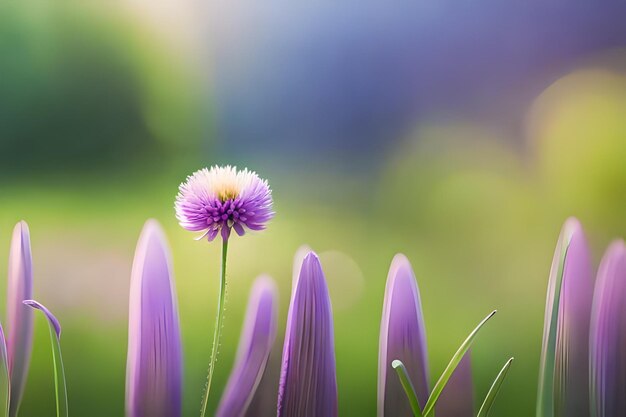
(19, 318)
(564, 370)
(402, 337)
(308, 382)
(608, 335)
(154, 365)
(255, 345)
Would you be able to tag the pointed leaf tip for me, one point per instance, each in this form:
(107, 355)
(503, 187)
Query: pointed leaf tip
(308, 382)
(298, 258)
(51, 317)
(485, 408)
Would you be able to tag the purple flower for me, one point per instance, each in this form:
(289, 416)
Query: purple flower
(19, 318)
(255, 345)
(5, 381)
(222, 198)
(457, 398)
(564, 370)
(608, 335)
(308, 383)
(402, 337)
(154, 366)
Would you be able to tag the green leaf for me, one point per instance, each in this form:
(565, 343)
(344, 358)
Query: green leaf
(447, 373)
(60, 388)
(405, 380)
(493, 391)
(545, 394)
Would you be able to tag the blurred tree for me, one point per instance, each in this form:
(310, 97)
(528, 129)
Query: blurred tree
(84, 86)
(579, 134)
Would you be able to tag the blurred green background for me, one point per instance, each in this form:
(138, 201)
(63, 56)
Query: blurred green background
(106, 107)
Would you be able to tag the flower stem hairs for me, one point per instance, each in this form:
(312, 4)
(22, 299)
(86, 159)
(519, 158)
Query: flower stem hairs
(216, 201)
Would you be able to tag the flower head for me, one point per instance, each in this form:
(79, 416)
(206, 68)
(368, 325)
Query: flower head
(154, 365)
(219, 199)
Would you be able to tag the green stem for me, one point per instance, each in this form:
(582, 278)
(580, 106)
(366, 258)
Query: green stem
(405, 380)
(218, 329)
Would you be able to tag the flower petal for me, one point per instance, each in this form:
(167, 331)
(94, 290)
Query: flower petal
(298, 258)
(564, 373)
(255, 345)
(402, 337)
(5, 382)
(154, 366)
(19, 318)
(308, 382)
(608, 335)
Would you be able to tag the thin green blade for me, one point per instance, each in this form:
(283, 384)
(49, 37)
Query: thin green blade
(545, 394)
(405, 380)
(447, 373)
(60, 388)
(493, 391)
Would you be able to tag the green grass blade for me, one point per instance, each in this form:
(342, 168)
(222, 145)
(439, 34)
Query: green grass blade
(405, 380)
(545, 394)
(447, 373)
(60, 388)
(493, 391)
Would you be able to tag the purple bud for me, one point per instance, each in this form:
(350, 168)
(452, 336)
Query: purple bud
(19, 317)
(402, 337)
(457, 398)
(608, 335)
(255, 345)
(298, 258)
(154, 365)
(308, 382)
(5, 384)
(564, 371)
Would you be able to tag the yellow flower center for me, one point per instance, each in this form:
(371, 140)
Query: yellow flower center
(227, 192)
